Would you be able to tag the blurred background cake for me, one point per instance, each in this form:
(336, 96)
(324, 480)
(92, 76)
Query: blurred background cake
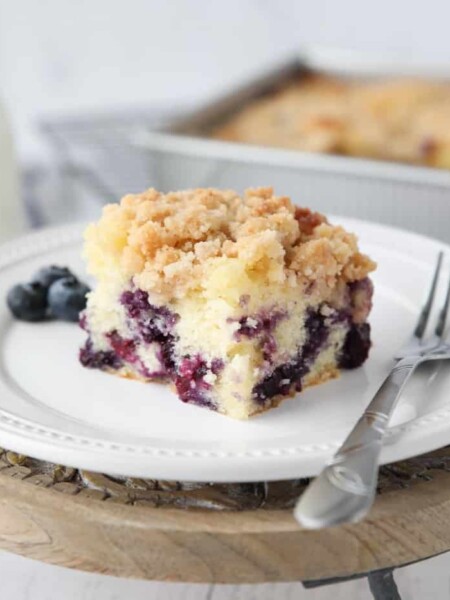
(406, 120)
(73, 93)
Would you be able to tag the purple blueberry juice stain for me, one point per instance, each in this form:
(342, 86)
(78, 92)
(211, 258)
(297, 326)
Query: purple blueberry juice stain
(190, 383)
(285, 376)
(98, 359)
(268, 347)
(261, 325)
(83, 322)
(148, 323)
(152, 324)
(278, 382)
(361, 293)
(216, 366)
(124, 348)
(362, 284)
(357, 305)
(135, 302)
(264, 322)
(354, 351)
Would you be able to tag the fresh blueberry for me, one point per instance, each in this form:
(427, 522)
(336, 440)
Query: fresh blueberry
(28, 302)
(67, 298)
(48, 275)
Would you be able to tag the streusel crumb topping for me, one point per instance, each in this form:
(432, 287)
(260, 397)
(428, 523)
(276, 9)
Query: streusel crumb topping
(170, 242)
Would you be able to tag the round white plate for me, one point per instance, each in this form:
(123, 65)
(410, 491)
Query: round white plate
(54, 409)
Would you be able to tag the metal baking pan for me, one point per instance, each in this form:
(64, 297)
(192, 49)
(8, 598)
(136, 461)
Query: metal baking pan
(412, 197)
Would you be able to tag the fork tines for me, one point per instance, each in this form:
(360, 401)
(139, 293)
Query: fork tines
(424, 317)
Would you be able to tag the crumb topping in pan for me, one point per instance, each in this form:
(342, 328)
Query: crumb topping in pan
(405, 120)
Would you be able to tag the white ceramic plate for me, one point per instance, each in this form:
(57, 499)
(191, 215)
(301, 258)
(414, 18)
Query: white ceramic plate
(54, 409)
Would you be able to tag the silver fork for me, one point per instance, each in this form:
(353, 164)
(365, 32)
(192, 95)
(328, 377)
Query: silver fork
(345, 490)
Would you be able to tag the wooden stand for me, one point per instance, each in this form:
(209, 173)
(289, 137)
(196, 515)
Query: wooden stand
(237, 533)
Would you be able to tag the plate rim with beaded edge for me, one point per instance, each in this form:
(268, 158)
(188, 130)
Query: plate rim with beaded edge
(53, 409)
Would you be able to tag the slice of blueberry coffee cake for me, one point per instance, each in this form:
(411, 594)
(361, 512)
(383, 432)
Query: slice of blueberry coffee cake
(237, 301)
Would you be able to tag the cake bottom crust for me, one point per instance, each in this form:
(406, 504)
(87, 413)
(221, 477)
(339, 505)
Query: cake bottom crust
(326, 373)
(330, 372)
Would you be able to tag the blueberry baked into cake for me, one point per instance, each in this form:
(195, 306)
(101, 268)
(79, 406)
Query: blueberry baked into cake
(238, 302)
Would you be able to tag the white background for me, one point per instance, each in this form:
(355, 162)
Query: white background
(59, 56)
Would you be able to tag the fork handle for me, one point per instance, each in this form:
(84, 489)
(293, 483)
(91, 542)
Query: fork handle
(344, 491)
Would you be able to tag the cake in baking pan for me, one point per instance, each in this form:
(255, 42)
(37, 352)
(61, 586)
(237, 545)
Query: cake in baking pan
(406, 120)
